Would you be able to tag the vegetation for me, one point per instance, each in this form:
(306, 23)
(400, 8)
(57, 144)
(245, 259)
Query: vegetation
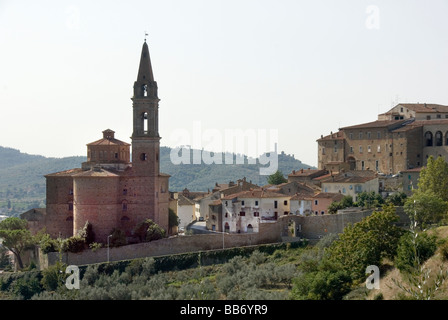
(434, 178)
(277, 178)
(23, 185)
(346, 202)
(15, 237)
(241, 273)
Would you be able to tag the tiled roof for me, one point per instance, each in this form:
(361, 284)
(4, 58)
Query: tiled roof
(108, 142)
(332, 136)
(350, 177)
(96, 172)
(258, 193)
(67, 173)
(184, 201)
(306, 172)
(425, 107)
(376, 124)
(413, 170)
(329, 195)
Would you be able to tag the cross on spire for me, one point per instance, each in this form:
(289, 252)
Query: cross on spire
(146, 34)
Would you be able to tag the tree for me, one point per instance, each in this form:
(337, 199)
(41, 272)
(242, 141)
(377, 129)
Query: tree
(397, 199)
(148, 230)
(87, 233)
(413, 251)
(173, 219)
(434, 178)
(277, 178)
(367, 242)
(369, 200)
(346, 202)
(16, 237)
(425, 207)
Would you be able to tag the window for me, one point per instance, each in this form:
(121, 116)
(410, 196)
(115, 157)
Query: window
(275, 204)
(439, 116)
(116, 155)
(316, 202)
(350, 135)
(360, 149)
(369, 149)
(351, 149)
(125, 192)
(343, 190)
(377, 165)
(145, 122)
(285, 202)
(378, 148)
(323, 150)
(428, 117)
(242, 213)
(256, 202)
(143, 157)
(360, 135)
(428, 139)
(70, 206)
(124, 205)
(378, 134)
(439, 139)
(368, 135)
(242, 203)
(335, 148)
(362, 165)
(70, 191)
(256, 214)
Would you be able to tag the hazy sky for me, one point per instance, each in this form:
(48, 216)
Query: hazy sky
(304, 68)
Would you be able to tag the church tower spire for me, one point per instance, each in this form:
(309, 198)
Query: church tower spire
(145, 135)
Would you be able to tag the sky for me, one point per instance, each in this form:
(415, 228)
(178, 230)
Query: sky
(288, 71)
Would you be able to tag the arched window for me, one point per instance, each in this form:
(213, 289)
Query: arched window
(428, 139)
(145, 122)
(124, 205)
(446, 139)
(250, 229)
(439, 139)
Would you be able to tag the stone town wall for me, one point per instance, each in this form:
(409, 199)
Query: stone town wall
(174, 245)
(311, 227)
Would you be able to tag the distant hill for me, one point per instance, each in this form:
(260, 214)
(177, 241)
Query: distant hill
(22, 182)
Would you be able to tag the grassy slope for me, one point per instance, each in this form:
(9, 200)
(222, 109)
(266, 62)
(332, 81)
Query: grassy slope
(390, 290)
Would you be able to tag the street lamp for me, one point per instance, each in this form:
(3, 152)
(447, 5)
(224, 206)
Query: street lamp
(108, 246)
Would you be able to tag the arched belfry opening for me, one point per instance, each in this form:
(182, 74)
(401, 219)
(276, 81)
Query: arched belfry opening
(144, 118)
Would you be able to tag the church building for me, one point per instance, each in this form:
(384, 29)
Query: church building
(111, 190)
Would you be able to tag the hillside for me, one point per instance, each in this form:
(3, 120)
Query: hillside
(22, 182)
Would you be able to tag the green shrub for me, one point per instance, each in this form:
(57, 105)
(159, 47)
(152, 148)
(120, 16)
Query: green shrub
(73, 244)
(53, 276)
(118, 238)
(414, 251)
(444, 250)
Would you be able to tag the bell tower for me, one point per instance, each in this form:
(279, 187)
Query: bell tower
(145, 135)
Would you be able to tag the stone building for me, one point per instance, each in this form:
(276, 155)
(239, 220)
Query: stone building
(243, 212)
(111, 190)
(402, 138)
